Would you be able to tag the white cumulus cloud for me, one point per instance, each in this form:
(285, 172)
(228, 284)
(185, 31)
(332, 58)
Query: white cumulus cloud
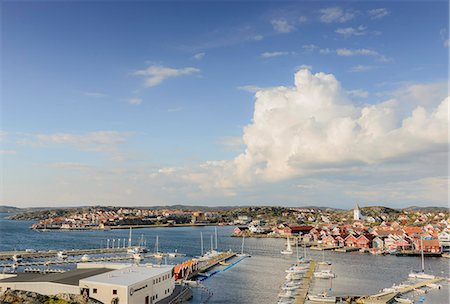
(156, 74)
(352, 31)
(314, 128)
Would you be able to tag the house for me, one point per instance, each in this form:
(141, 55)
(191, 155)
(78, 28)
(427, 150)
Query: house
(432, 246)
(377, 243)
(240, 230)
(351, 241)
(444, 241)
(297, 230)
(363, 241)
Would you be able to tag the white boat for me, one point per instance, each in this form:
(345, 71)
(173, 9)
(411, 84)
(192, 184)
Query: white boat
(294, 276)
(173, 254)
(62, 255)
(293, 287)
(137, 257)
(324, 274)
(422, 274)
(287, 294)
(296, 269)
(157, 254)
(288, 249)
(322, 298)
(17, 258)
(434, 286)
(292, 284)
(85, 258)
(402, 300)
(242, 254)
(285, 301)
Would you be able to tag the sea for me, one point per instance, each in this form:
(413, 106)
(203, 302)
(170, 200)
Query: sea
(253, 280)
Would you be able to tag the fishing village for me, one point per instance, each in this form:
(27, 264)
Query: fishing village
(171, 277)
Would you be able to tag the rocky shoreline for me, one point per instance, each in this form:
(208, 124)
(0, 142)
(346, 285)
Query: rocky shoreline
(28, 297)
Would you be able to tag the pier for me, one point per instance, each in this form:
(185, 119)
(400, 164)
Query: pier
(5, 255)
(304, 288)
(211, 263)
(388, 297)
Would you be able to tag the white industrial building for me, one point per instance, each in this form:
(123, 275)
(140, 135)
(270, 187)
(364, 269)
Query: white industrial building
(107, 283)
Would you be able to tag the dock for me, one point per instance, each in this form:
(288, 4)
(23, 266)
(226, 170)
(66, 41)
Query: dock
(5, 255)
(347, 249)
(388, 297)
(211, 263)
(322, 248)
(304, 288)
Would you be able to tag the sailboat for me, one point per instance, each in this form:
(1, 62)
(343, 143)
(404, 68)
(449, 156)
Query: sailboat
(242, 254)
(157, 254)
(323, 262)
(422, 274)
(288, 249)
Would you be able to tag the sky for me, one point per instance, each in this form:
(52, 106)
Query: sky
(224, 103)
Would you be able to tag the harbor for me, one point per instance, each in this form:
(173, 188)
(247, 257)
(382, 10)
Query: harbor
(228, 275)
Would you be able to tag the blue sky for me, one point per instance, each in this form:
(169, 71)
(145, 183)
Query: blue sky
(157, 103)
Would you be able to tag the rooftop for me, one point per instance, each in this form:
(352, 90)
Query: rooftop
(129, 276)
(71, 277)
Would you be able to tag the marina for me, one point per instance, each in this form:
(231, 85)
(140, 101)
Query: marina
(353, 270)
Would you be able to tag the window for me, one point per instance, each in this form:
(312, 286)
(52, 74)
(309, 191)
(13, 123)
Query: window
(114, 291)
(94, 290)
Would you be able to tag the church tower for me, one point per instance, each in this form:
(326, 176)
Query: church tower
(356, 213)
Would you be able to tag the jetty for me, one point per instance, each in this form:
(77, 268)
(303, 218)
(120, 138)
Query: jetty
(306, 282)
(6, 255)
(388, 297)
(222, 257)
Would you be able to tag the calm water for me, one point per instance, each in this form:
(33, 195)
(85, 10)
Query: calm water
(253, 280)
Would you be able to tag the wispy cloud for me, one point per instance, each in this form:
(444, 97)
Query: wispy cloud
(282, 26)
(358, 93)
(274, 54)
(336, 14)
(199, 56)
(154, 75)
(135, 101)
(352, 31)
(8, 152)
(250, 88)
(378, 13)
(99, 141)
(95, 94)
(360, 52)
(362, 68)
(177, 109)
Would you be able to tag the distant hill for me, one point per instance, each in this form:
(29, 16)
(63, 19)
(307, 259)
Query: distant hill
(9, 209)
(429, 208)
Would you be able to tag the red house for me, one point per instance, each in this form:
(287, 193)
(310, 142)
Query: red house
(351, 241)
(428, 245)
(363, 241)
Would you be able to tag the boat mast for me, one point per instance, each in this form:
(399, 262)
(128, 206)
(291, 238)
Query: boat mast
(212, 243)
(296, 248)
(421, 254)
(215, 233)
(129, 238)
(157, 244)
(201, 241)
(242, 248)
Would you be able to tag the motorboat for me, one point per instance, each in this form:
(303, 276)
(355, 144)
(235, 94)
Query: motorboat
(137, 257)
(17, 258)
(403, 300)
(324, 274)
(322, 298)
(85, 258)
(294, 276)
(287, 294)
(61, 255)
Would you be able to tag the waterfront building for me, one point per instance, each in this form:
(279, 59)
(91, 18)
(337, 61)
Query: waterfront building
(444, 241)
(107, 283)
